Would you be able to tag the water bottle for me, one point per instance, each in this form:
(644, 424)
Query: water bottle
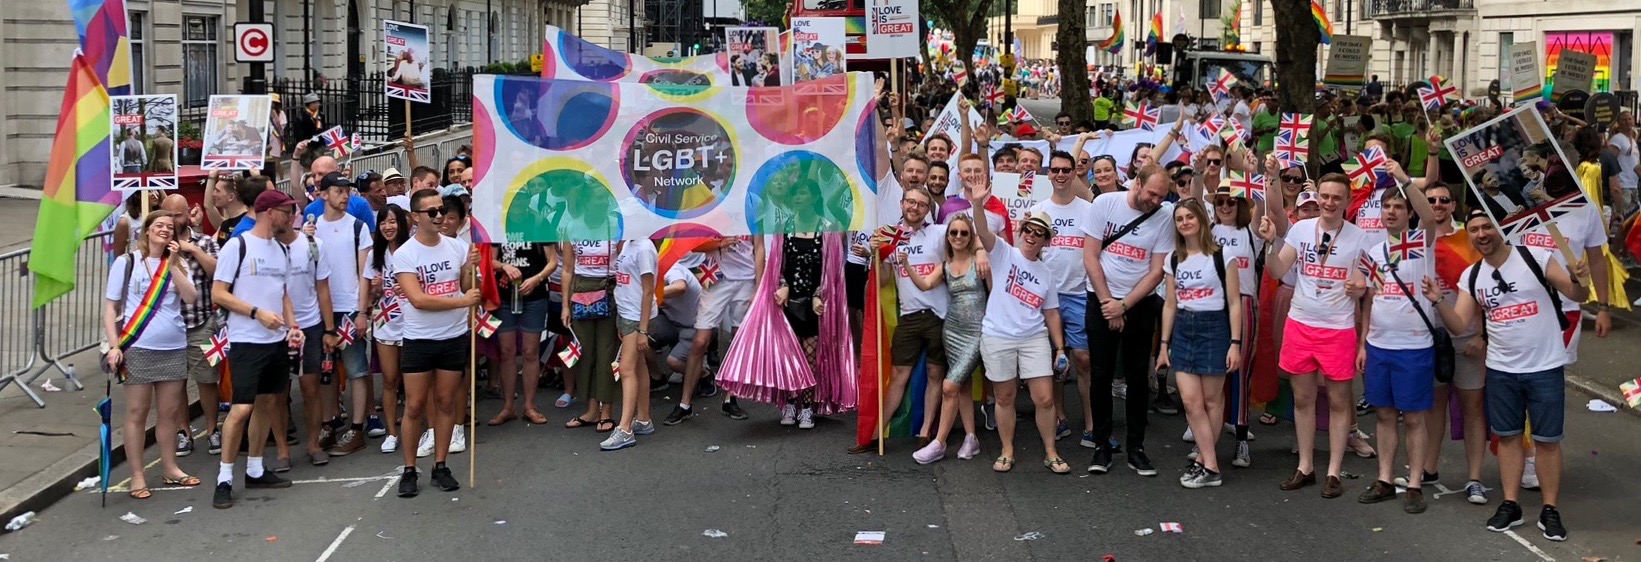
(326, 368)
(295, 356)
(24, 520)
(518, 302)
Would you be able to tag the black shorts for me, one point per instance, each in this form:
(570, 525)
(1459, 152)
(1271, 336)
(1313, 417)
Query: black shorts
(423, 356)
(313, 349)
(258, 368)
(855, 278)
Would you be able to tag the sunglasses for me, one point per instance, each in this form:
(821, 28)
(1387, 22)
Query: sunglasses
(1060, 170)
(957, 233)
(1215, 161)
(1442, 200)
(1293, 179)
(1225, 202)
(434, 213)
(1326, 246)
(1503, 287)
(1037, 232)
(1062, 122)
(1182, 181)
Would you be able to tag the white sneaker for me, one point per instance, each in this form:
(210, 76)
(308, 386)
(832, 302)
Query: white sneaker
(424, 446)
(391, 444)
(458, 440)
(789, 414)
(806, 419)
(1194, 453)
(675, 378)
(1188, 437)
(1242, 460)
(1529, 479)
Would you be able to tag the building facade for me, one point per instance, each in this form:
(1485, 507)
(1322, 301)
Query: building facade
(1197, 19)
(186, 48)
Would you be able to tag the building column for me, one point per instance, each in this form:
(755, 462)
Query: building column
(1460, 73)
(1429, 55)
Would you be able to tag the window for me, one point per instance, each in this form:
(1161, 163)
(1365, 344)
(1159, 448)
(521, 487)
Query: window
(1506, 41)
(199, 59)
(1259, 12)
(1209, 9)
(1109, 11)
(138, 57)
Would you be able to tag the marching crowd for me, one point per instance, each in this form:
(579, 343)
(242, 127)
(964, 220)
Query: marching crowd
(1271, 309)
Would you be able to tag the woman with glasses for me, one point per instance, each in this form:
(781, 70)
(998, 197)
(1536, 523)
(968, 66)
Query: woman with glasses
(1232, 230)
(961, 332)
(154, 363)
(1201, 333)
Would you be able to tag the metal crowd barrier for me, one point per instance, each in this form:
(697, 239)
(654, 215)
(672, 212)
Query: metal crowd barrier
(64, 327)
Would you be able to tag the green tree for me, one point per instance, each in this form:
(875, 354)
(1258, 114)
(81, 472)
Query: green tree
(1072, 59)
(966, 19)
(770, 12)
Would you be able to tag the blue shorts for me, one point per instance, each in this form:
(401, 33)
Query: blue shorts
(1512, 398)
(353, 357)
(532, 321)
(1404, 379)
(1073, 307)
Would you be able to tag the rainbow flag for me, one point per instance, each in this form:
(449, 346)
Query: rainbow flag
(101, 25)
(1323, 26)
(876, 372)
(1233, 32)
(78, 192)
(1154, 35)
(1114, 43)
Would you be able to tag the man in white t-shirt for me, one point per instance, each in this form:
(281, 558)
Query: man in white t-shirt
(249, 285)
(1064, 257)
(1321, 334)
(345, 244)
(1125, 237)
(723, 306)
(1526, 362)
(435, 276)
(1624, 144)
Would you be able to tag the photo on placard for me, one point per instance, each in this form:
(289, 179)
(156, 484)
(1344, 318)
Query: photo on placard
(754, 56)
(1517, 170)
(408, 61)
(236, 132)
(144, 142)
(817, 48)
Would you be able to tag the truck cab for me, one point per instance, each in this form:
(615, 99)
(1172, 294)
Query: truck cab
(1201, 68)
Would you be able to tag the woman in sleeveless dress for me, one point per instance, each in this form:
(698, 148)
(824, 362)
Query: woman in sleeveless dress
(962, 335)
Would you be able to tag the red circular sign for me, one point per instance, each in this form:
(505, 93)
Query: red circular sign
(254, 42)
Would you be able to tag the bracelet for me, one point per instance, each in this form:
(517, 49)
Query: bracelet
(1163, 342)
(1236, 341)
(253, 312)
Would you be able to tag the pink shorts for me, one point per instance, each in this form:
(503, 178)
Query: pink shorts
(1307, 350)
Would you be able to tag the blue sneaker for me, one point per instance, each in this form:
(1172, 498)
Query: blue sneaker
(1062, 430)
(1088, 440)
(374, 427)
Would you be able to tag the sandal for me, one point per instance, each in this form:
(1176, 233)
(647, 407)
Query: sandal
(141, 494)
(605, 422)
(1267, 419)
(502, 417)
(534, 417)
(185, 481)
(564, 401)
(1002, 464)
(1057, 465)
(578, 421)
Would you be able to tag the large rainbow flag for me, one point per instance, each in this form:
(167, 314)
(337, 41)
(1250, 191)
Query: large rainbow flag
(1323, 26)
(1154, 35)
(1113, 44)
(101, 25)
(79, 183)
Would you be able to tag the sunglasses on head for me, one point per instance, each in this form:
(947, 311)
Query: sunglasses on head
(1442, 200)
(435, 212)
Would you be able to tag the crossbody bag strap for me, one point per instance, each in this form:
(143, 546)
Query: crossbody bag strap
(1555, 295)
(1416, 308)
(1127, 228)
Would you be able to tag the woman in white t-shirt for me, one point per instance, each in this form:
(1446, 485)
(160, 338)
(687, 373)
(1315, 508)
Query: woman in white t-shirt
(589, 311)
(1201, 333)
(635, 274)
(155, 359)
(1234, 217)
(387, 315)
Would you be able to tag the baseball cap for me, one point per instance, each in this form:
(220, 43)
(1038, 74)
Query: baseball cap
(273, 199)
(334, 179)
(1306, 197)
(1177, 169)
(453, 190)
(1025, 130)
(392, 174)
(1041, 220)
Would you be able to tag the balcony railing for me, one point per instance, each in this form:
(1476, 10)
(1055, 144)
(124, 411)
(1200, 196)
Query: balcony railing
(1394, 8)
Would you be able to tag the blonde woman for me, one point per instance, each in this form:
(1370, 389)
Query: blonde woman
(1201, 339)
(154, 360)
(961, 332)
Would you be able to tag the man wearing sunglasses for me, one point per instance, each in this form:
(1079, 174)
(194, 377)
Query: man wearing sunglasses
(1064, 257)
(1526, 360)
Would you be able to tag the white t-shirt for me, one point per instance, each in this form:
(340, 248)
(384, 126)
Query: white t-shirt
(1064, 254)
(344, 265)
(393, 329)
(1371, 218)
(926, 251)
(1525, 335)
(859, 239)
(439, 269)
(637, 259)
(1244, 115)
(994, 221)
(1319, 298)
(1021, 290)
(166, 332)
(1394, 324)
(592, 259)
(261, 266)
(1628, 156)
(681, 309)
(307, 270)
(1197, 285)
(735, 259)
(1582, 227)
(1242, 247)
(1128, 259)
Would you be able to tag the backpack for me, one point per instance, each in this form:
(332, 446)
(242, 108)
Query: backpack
(1538, 272)
(1219, 268)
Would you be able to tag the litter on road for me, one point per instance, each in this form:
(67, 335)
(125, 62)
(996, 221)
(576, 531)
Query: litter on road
(1144, 532)
(88, 483)
(714, 533)
(1599, 405)
(1029, 536)
(17, 523)
(133, 518)
(713, 448)
(1171, 527)
(869, 537)
(189, 509)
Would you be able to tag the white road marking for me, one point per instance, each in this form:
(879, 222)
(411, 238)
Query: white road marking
(336, 543)
(121, 489)
(1535, 550)
(388, 485)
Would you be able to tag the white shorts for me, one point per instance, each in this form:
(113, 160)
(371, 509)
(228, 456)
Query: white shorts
(1008, 359)
(1574, 333)
(724, 305)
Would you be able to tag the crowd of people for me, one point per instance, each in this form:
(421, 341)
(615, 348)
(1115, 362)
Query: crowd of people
(1272, 309)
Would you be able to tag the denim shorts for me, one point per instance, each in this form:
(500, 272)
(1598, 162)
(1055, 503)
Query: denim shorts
(533, 320)
(1199, 342)
(1073, 307)
(1512, 398)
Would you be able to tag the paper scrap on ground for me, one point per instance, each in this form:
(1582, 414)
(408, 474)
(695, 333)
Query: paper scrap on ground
(1144, 532)
(1599, 405)
(714, 533)
(713, 448)
(1029, 536)
(189, 509)
(132, 518)
(1171, 527)
(88, 483)
(48, 387)
(869, 537)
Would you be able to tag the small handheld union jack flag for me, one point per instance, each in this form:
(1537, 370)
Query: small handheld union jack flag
(337, 140)
(1437, 95)
(1247, 186)
(896, 235)
(1369, 269)
(1142, 116)
(217, 349)
(961, 76)
(1293, 137)
(346, 332)
(571, 354)
(991, 96)
(1368, 168)
(388, 312)
(1222, 86)
(1409, 245)
(708, 273)
(1234, 133)
(486, 323)
(1210, 128)
(1019, 114)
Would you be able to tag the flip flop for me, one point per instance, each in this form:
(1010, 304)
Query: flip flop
(564, 401)
(141, 494)
(604, 422)
(1057, 465)
(1267, 419)
(534, 417)
(1002, 464)
(186, 481)
(577, 422)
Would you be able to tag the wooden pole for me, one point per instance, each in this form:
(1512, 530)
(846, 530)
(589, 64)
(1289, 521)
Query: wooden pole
(472, 390)
(877, 343)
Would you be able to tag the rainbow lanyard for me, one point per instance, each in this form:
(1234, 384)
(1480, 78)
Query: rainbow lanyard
(146, 308)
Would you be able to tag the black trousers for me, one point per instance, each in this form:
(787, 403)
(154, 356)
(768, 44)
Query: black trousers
(1125, 353)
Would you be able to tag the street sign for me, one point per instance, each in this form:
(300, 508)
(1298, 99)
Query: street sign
(253, 42)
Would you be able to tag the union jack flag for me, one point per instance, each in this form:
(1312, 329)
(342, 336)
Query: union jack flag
(571, 354)
(1435, 96)
(991, 96)
(388, 312)
(961, 76)
(897, 235)
(1247, 186)
(1019, 114)
(1222, 86)
(1233, 133)
(1369, 269)
(339, 141)
(1211, 127)
(708, 273)
(1171, 527)
(346, 331)
(402, 91)
(1514, 226)
(1368, 165)
(486, 323)
(1409, 245)
(224, 162)
(217, 349)
(1026, 179)
(144, 181)
(1142, 116)
(1293, 137)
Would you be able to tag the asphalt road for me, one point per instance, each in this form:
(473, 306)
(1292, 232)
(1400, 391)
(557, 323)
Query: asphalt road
(548, 493)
